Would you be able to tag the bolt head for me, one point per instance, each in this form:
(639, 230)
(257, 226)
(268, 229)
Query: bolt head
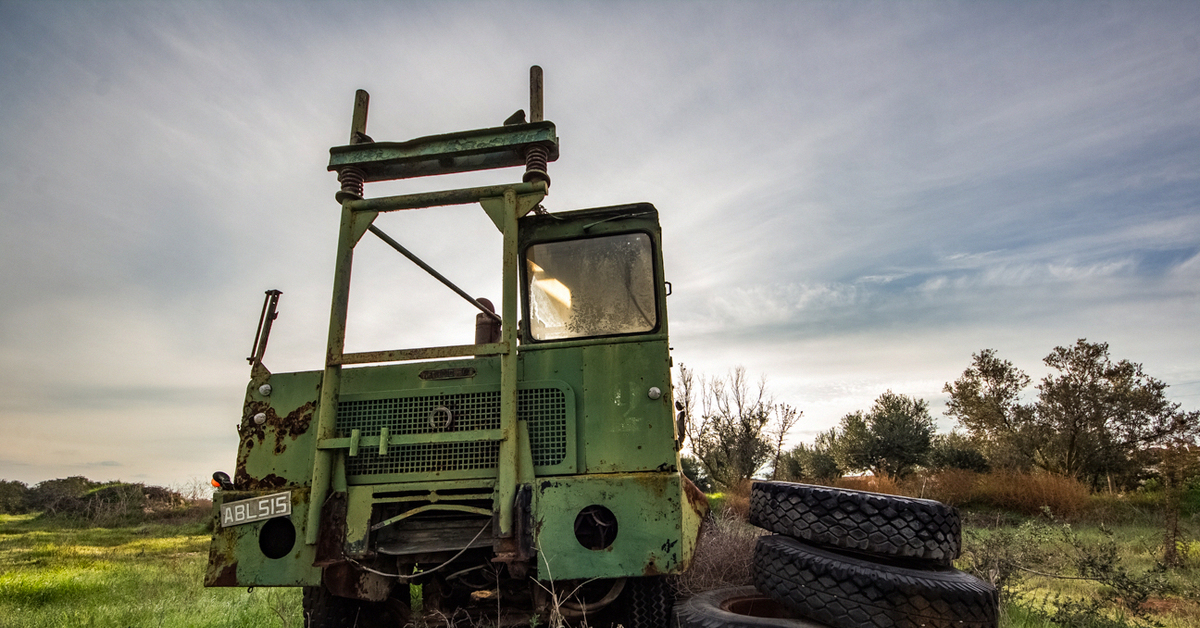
(265, 390)
(654, 393)
(260, 418)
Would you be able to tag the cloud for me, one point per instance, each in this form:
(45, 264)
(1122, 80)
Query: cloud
(854, 196)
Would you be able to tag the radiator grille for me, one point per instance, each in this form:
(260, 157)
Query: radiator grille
(544, 411)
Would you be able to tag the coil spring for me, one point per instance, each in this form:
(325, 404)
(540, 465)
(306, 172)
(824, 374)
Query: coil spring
(351, 179)
(536, 157)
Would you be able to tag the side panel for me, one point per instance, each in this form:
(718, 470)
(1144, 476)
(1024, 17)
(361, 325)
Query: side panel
(238, 555)
(621, 428)
(279, 452)
(626, 429)
(650, 539)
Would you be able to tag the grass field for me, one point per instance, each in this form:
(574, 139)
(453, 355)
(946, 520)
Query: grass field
(145, 576)
(150, 575)
(1085, 575)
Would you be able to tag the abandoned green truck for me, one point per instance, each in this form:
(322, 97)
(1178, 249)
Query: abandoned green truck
(532, 472)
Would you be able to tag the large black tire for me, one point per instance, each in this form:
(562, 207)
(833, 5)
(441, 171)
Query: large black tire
(846, 591)
(736, 607)
(644, 603)
(881, 525)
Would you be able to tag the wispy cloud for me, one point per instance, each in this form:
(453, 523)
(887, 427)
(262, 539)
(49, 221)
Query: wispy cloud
(854, 196)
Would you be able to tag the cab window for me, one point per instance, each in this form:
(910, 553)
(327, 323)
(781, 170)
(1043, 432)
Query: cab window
(593, 287)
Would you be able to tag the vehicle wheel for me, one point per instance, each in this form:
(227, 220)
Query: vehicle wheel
(644, 603)
(323, 609)
(846, 591)
(736, 607)
(881, 525)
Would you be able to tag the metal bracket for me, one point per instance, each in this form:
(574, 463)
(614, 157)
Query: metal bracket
(463, 151)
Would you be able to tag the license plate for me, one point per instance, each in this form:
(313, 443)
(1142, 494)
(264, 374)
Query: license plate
(256, 509)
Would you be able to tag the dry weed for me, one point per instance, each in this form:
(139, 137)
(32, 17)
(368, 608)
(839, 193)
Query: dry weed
(1032, 493)
(724, 555)
(955, 487)
(870, 483)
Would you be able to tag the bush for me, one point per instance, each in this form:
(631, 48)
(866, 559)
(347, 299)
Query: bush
(956, 487)
(51, 496)
(14, 497)
(119, 503)
(955, 451)
(693, 470)
(1033, 493)
(1001, 556)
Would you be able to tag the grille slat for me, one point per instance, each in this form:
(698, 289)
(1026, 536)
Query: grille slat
(544, 411)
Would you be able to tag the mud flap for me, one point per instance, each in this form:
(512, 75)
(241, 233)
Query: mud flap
(332, 532)
(347, 580)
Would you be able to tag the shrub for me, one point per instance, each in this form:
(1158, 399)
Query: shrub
(737, 501)
(955, 451)
(1001, 556)
(1033, 493)
(14, 497)
(956, 487)
(52, 495)
(119, 503)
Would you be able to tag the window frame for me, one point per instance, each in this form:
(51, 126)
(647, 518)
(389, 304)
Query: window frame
(526, 327)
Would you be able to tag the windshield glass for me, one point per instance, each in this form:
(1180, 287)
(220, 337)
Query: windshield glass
(593, 287)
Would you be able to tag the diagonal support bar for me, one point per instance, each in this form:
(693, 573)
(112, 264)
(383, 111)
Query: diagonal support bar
(429, 269)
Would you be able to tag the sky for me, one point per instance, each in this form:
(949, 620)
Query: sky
(855, 196)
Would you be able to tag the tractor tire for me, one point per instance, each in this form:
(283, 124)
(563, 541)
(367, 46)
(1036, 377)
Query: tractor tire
(736, 607)
(323, 609)
(644, 603)
(845, 591)
(872, 523)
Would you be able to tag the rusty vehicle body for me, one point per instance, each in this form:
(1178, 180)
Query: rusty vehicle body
(533, 472)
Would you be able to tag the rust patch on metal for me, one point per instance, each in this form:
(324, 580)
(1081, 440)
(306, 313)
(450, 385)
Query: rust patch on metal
(270, 481)
(292, 426)
(240, 476)
(332, 531)
(226, 577)
(695, 497)
(345, 580)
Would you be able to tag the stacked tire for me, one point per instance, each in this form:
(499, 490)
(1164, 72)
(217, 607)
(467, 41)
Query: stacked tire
(850, 559)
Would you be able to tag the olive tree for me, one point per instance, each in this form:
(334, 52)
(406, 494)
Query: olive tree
(891, 439)
(1093, 418)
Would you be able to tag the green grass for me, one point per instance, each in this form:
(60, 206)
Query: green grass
(1054, 548)
(53, 574)
(149, 575)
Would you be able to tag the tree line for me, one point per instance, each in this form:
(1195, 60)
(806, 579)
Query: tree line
(1098, 420)
(81, 499)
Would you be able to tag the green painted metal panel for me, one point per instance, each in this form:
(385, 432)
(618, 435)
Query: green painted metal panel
(620, 429)
(624, 429)
(464, 151)
(650, 525)
(403, 397)
(278, 452)
(236, 555)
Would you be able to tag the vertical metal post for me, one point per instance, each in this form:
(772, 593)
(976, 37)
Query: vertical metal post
(510, 454)
(358, 123)
(348, 236)
(536, 94)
